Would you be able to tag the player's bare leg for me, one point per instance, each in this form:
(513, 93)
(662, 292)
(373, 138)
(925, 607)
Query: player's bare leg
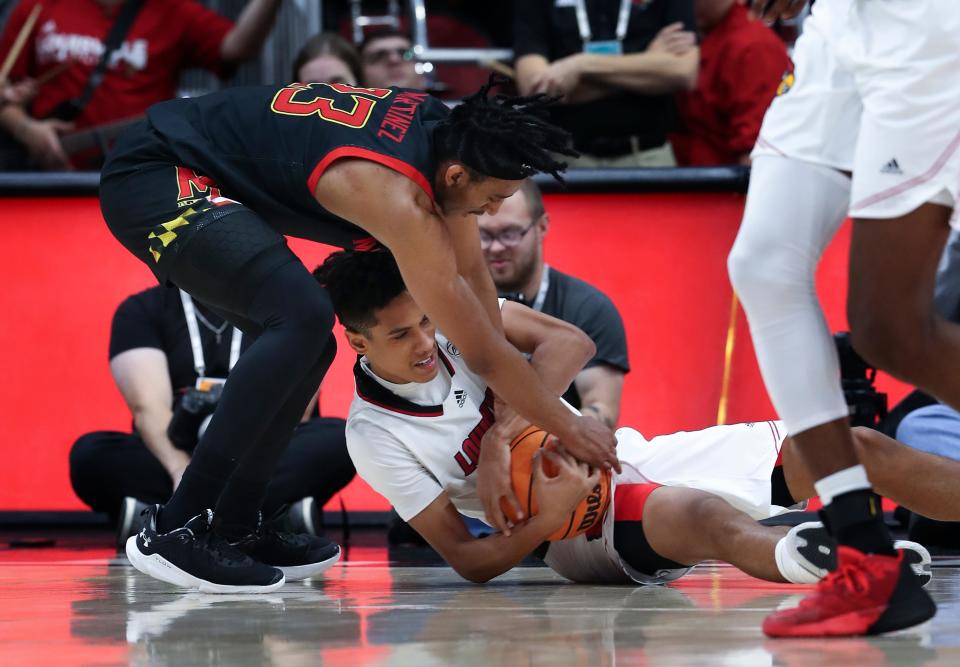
(690, 526)
(893, 265)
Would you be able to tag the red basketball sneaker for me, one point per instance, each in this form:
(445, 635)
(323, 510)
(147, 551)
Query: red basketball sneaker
(867, 594)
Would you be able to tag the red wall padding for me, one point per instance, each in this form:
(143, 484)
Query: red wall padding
(660, 257)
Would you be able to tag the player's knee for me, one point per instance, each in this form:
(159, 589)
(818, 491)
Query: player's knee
(709, 512)
(308, 319)
(766, 277)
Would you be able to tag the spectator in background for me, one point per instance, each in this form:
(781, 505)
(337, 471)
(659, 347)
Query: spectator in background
(617, 93)
(66, 43)
(512, 243)
(388, 60)
(742, 61)
(328, 58)
(164, 347)
(17, 93)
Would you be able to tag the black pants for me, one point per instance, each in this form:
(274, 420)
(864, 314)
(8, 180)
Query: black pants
(223, 254)
(107, 466)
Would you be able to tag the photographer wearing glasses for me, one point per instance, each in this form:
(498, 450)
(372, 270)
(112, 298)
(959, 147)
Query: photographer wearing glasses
(388, 60)
(170, 356)
(512, 244)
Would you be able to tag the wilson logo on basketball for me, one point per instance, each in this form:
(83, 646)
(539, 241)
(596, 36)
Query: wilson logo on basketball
(594, 504)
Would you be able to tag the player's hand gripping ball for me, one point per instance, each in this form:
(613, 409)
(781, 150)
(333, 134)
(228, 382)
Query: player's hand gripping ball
(588, 514)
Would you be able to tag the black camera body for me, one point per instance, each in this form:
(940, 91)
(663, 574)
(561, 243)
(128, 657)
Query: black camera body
(195, 406)
(868, 407)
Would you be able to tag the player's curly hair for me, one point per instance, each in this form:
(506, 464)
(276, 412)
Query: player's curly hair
(503, 136)
(359, 284)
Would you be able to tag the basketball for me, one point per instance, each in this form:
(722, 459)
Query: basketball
(587, 514)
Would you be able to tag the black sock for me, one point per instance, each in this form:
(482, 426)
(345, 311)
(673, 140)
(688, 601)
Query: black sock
(856, 520)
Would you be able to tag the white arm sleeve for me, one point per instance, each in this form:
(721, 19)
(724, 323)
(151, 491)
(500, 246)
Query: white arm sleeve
(383, 462)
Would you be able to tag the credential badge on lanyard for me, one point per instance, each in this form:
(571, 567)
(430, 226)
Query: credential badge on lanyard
(609, 47)
(205, 383)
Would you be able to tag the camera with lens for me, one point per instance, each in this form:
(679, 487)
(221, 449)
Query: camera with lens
(191, 415)
(868, 407)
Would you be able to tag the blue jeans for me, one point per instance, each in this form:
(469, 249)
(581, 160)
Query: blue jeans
(934, 429)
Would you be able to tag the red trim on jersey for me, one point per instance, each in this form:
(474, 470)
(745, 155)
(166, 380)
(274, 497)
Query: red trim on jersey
(391, 408)
(446, 362)
(400, 166)
(913, 182)
(629, 500)
(775, 432)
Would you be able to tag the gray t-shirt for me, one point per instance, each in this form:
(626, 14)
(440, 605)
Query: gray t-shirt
(572, 300)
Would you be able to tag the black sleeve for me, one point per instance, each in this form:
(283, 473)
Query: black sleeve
(600, 319)
(681, 10)
(137, 322)
(530, 26)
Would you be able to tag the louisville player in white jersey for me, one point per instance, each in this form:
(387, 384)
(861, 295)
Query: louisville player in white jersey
(420, 414)
(866, 124)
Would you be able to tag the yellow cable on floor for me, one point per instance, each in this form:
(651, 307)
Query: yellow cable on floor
(728, 360)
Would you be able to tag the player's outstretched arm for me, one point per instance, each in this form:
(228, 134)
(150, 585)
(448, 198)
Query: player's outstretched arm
(558, 352)
(465, 236)
(893, 468)
(398, 214)
(480, 560)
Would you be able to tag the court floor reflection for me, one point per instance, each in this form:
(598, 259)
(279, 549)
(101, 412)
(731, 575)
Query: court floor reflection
(101, 612)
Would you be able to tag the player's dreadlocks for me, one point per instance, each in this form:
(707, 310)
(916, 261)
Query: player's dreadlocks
(504, 137)
(359, 284)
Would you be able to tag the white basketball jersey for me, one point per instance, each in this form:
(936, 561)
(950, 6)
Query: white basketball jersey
(410, 449)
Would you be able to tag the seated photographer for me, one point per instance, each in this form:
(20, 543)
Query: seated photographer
(169, 356)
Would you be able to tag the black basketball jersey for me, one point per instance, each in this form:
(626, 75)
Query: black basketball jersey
(267, 147)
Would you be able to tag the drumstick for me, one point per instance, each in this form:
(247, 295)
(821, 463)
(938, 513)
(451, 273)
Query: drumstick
(500, 68)
(19, 42)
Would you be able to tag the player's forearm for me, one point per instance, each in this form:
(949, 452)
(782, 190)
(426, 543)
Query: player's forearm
(481, 283)
(560, 358)
(489, 355)
(481, 560)
(250, 31)
(649, 73)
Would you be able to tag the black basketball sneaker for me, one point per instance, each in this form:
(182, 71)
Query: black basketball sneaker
(195, 557)
(298, 555)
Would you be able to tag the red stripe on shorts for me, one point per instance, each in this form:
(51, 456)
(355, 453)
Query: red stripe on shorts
(629, 499)
(913, 182)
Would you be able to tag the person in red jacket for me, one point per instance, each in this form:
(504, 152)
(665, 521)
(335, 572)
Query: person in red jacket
(742, 61)
(66, 43)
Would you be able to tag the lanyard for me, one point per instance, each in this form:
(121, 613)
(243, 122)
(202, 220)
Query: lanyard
(191, 315)
(544, 286)
(583, 21)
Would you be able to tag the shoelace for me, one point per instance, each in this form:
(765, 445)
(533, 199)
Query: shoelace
(847, 579)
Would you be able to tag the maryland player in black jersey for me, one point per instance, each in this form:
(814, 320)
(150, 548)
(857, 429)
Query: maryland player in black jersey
(204, 190)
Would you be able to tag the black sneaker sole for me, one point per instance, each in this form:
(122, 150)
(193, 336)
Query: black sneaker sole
(909, 605)
(158, 567)
(300, 572)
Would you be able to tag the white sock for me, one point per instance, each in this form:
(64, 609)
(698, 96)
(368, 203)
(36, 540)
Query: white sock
(845, 481)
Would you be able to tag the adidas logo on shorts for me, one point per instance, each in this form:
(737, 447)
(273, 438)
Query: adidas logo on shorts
(892, 167)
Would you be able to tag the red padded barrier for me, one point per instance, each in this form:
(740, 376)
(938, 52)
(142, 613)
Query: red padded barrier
(660, 257)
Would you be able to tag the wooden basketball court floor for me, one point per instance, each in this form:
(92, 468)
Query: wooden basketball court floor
(86, 607)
